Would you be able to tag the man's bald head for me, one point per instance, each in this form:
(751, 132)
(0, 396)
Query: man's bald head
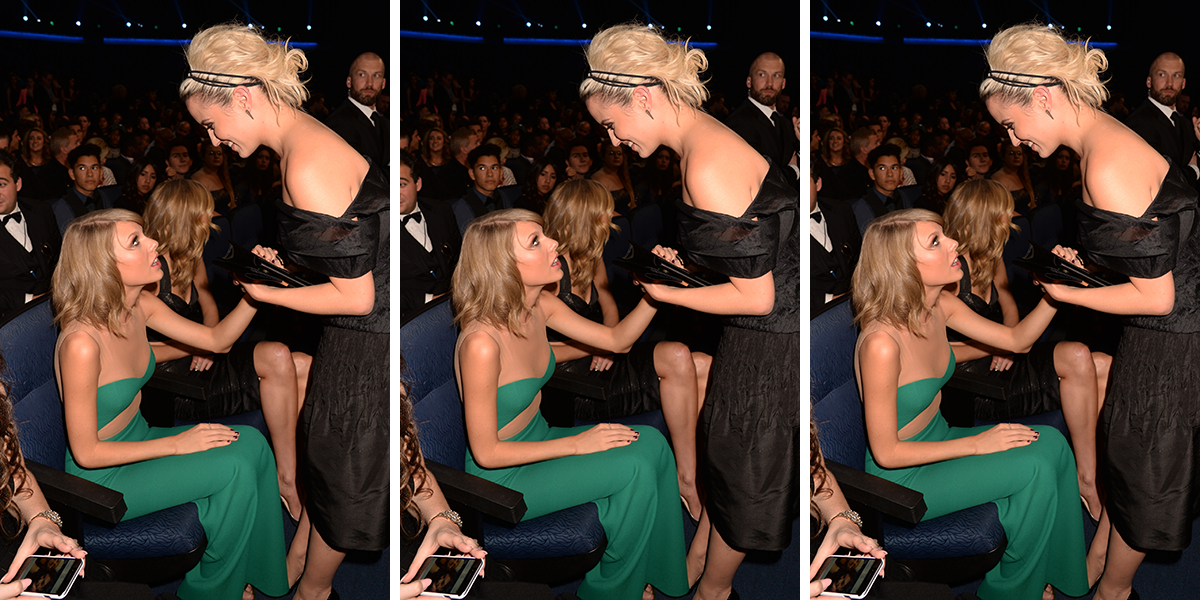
(766, 78)
(367, 78)
(1166, 79)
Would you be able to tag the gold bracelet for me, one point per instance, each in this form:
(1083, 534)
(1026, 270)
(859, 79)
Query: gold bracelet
(849, 515)
(49, 515)
(449, 515)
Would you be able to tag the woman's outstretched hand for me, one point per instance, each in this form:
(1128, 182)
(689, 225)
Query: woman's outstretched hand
(603, 437)
(1004, 437)
(204, 437)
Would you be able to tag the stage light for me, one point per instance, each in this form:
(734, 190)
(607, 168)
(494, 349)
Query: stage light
(426, 17)
(452, 23)
(585, 25)
(928, 24)
(710, 27)
(26, 19)
(877, 23)
(985, 25)
(127, 24)
(478, 24)
(185, 25)
(825, 18)
(1110, 27)
(77, 23)
(528, 24)
(310, 27)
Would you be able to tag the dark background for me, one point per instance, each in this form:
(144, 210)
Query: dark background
(1141, 31)
(741, 30)
(341, 29)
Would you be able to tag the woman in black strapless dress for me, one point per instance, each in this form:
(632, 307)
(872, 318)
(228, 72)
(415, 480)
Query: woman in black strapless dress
(738, 217)
(1137, 219)
(333, 220)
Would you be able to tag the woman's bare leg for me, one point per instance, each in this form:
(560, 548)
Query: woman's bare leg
(721, 564)
(320, 566)
(677, 388)
(279, 391)
(1120, 566)
(1079, 391)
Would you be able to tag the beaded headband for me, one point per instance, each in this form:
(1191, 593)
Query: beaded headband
(210, 79)
(1010, 79)
(610, 79)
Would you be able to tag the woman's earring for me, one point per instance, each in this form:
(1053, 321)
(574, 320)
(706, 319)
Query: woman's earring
(1049, 115)
(249, 115)
(649, 115)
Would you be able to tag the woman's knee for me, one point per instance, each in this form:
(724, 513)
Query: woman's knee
(673, 359)
(273, 359)
(1073, 359)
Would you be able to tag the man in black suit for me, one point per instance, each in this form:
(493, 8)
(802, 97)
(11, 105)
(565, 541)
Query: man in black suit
(835, 244)
(1157, 121)
(885, 194)
(85, 194)
(429, 242)
(757, 121)
(356, 120)
(485, 194)
(29, 244)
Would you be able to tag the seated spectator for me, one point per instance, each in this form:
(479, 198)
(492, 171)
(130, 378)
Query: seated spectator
(579, 159)
(35, 153)
(435, 154)
(213, 174)
(614, 176)
(1014, 176)
(545, 176)
(251, 375)
(85, 194)
(835, 243)
(130, 149)
(429, 241)
(261, 177)
(52, 179)
(661, 176)
(29, 245)
(943, 178)
(106, 174)
(507, 176)
(530, 150)
(136, 191)
(1061, 176)
(979, 159)
(453, 179)
(852, 180)
(651, 375)
(1051, 375)
(885, 194)
(485, 194)
(179, 159)
(906, 174)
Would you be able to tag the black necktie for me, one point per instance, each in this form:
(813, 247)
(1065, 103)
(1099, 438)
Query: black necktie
(381, 135)
(10, 217)
(410, 217)
(1181, 129)
(815, 216)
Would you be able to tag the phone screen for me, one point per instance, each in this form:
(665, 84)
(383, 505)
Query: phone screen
(452, 575)
(52, 575)
(851, 575)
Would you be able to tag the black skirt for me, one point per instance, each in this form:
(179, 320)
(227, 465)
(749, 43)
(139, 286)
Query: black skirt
(232, 385)
(344, 429)
(1032, 385)
(632, 385)
(751, 438)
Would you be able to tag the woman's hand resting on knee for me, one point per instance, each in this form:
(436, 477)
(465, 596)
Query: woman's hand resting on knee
(603, 437)
(203, 437)
(1003, 437)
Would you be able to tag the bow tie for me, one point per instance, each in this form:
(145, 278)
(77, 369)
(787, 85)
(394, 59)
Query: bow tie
(410, 217)
(10, 217)
(815, 216)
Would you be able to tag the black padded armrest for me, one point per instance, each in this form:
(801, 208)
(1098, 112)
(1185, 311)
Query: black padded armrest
(575, 384)
(89, 498)
(880, 494)
(977, 384)
(489, 498)
(176, 384)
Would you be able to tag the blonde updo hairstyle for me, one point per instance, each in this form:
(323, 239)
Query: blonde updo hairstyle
(579, 217)
(1041, 51)
(486, 285)
(641, 51)
(886, 285)
(242, 52)
(179, 217)
(86, 285)
(979, 217)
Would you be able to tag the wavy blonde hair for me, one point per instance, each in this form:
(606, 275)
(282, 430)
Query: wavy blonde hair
(979, 216)
(86, 285)
(579, 216)
(886, 285)
(1041, 51)
(179, 216)
(486, 285)
(641, 51)
(242, 52)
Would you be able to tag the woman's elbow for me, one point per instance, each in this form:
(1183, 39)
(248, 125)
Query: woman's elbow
(361, 305)
(1162, 305)
(762, 305)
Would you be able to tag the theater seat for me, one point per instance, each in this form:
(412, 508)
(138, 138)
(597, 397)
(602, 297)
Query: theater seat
(551, 549)
(952, 549)
(151, 549)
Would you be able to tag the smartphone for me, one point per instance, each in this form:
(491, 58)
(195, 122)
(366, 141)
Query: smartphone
(52, 576)
(452, 576)
(852, 576)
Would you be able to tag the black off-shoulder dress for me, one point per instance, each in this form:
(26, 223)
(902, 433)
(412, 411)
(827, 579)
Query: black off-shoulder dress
(750, 423)
(1151, 418)
(344, 424)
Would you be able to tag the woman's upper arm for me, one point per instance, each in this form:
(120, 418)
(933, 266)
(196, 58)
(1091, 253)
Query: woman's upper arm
(962, 319)
(162, 319)
(79, 379)
(879, 377)
(479, 378)
(562, 319)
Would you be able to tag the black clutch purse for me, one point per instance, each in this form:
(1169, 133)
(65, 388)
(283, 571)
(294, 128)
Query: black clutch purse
(650, 267)
(1050, 267)
(252, 268)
